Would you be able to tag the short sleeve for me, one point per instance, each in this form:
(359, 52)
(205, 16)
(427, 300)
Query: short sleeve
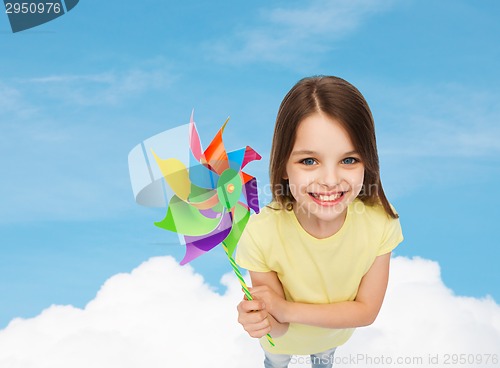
(392, 236)
(249, 255)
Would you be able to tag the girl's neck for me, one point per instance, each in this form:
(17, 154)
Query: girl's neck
(318, 228)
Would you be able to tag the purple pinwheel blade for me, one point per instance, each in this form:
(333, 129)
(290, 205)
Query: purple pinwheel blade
(198, 245)
(252, 195)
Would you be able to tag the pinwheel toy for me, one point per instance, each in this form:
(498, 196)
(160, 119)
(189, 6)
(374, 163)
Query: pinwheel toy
(210, 201)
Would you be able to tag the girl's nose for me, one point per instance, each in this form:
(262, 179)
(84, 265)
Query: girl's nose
(329, 177)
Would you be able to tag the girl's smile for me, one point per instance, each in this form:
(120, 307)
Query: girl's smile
(326, 199)
(325, 174)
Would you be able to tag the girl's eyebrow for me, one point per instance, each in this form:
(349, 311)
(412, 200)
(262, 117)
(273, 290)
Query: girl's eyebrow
(313, 153)
(303, 152)
(351, 153)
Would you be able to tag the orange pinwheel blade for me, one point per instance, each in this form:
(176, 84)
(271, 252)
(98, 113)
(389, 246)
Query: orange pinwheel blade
(215, 154)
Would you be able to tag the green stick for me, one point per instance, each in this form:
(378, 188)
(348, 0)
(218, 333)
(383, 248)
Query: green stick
(243, 283)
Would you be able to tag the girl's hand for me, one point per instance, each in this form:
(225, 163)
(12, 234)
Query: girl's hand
(253, 316)
(275, 304)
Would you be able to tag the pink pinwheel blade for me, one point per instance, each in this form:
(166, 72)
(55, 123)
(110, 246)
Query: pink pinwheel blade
(250, 155)
(194, 140)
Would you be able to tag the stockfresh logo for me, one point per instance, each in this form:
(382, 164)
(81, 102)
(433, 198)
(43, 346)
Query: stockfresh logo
(28, 14)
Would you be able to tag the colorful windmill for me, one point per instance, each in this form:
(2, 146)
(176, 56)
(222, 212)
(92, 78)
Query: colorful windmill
(211, 199)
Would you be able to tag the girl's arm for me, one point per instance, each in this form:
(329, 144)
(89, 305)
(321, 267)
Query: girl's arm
(360, 312)
(253, 314)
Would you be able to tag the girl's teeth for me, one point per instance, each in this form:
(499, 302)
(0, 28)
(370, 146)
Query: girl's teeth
(328, 198)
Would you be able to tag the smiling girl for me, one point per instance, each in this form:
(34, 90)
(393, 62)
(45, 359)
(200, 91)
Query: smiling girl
(318, 255)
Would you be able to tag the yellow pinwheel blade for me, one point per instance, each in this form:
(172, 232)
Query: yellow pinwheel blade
(176, 175)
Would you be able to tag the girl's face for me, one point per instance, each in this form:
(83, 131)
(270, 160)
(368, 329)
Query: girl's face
(325, 174)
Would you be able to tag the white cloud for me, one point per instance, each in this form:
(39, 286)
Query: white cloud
(293, 34)
(160, 315)
(422, 317)
(163, 315)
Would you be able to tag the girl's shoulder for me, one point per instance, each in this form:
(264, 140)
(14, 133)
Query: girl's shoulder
(370, 212)
(270, 212)
(377, 224)
(262, 227)
(270, 218)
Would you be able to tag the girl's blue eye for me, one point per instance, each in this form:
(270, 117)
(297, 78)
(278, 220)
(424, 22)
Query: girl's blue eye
(308, 161)
(350, 160)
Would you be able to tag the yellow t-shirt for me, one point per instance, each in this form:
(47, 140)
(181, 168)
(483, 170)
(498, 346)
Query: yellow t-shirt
(317, 271)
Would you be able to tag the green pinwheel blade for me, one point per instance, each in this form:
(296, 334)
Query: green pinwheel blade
(240, 219)
(185, 219)
(199, 194)
(229, 188)
(218, 208)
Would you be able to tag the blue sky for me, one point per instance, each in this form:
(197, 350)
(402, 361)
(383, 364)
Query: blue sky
(78, 93)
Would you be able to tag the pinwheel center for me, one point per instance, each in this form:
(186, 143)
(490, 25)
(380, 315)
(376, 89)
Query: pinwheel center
(229, 188)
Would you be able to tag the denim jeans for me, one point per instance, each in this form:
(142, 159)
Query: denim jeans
(319, 360)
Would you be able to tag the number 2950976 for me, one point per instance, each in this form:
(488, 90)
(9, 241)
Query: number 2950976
(32, 8)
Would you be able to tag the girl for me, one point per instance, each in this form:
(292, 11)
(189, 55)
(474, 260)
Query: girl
(318, 255)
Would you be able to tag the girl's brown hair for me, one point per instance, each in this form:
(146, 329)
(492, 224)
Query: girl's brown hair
(343, 102)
